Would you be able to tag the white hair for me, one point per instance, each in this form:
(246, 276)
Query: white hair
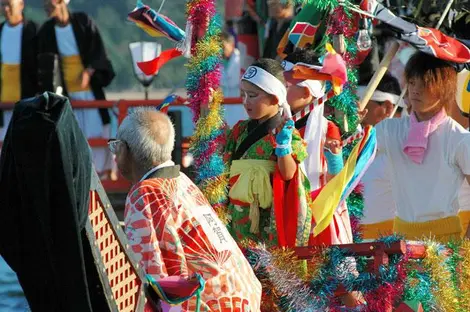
(142, 137)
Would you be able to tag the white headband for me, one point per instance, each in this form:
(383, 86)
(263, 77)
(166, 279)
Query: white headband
(315, 87)
(380, 96)
(269, 84)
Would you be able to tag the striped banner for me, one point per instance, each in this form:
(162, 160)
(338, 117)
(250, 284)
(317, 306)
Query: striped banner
(356, 136)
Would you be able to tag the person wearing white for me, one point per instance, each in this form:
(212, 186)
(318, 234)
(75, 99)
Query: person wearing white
(85, 69)
(231, 72)
(379, 206)
(18, 79)
(428, 154)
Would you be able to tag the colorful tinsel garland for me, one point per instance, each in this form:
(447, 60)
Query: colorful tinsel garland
(205, 98)
(440, 281)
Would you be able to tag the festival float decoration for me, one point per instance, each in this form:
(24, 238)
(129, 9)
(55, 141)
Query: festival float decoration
(156, 24)
(205, 98)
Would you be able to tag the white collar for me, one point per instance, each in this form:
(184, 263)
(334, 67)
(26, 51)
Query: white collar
(168, 163)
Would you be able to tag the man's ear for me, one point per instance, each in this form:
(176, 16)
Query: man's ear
(306, 93)
(388, 107)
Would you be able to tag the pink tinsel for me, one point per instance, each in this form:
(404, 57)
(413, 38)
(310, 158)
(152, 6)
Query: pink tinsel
(359, 189)
(388, 294)
(341, 23)
(211, 149)
(200, 97)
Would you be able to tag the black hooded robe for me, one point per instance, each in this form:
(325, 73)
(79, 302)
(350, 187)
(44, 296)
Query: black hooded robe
(45, 174)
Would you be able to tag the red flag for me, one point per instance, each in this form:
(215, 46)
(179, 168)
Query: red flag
(152, 67)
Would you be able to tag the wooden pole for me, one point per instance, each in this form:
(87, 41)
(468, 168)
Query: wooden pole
(402, 95)
(374, 82)
(444, 14)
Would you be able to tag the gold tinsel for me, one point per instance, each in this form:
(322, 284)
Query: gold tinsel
(465, 275)
(443, 292)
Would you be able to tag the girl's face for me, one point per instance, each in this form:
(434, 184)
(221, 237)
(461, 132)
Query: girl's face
(258, 104)
(421, 98)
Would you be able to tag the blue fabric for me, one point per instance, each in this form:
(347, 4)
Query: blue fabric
(334, 161)
(363, 161)
(284, 139)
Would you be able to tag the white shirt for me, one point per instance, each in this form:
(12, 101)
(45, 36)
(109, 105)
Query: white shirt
(430, 190)
(379, 204)
(11, 44)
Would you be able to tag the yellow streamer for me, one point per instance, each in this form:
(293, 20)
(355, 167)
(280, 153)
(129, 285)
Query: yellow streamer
(324, 206)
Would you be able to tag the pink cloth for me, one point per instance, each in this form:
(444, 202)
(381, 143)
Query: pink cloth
(417, 141)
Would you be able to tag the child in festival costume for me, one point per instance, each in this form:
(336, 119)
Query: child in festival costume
(428, 153)
(323, 138)
(261, 162)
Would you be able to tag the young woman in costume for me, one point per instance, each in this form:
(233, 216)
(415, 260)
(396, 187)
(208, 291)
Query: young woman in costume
(428, 153)
(263, 154)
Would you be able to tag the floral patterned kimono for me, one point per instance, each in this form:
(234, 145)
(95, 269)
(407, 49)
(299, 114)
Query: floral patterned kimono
(263, 207)
(173, 231)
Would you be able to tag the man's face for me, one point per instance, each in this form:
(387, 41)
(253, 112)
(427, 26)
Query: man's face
(52, 7)
(228, 48)
(376, 112)
(122, 156)
(12, 8)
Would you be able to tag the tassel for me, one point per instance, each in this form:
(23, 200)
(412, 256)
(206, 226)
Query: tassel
(254, 216)
(185, 45)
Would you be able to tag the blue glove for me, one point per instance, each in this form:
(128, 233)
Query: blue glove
(334, 161)
(284, 139)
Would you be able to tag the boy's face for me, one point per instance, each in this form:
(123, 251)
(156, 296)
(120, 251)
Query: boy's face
(258, 104)
(421, 98)
(298, 97)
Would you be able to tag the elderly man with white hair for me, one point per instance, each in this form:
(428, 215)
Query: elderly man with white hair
(169, 223)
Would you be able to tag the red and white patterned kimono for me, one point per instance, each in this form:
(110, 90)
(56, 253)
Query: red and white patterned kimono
(173, 230)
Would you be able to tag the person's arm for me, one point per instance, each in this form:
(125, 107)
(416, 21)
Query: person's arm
(99, 67)
(285, 160)
(334, 158)
(287, 167)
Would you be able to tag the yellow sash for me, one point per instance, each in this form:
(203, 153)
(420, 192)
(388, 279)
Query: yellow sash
(375, 230)
(253, 186)
(73, 69)
(443, 230)
(11, 83)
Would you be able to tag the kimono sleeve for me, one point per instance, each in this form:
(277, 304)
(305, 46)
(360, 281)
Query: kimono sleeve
(299, 147)
(141, 233)
(96, 57)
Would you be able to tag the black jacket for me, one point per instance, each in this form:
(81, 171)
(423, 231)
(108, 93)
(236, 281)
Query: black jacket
(45, 174)
(28, 67)
(92, 53)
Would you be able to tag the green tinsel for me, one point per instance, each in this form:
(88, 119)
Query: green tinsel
(418, 287)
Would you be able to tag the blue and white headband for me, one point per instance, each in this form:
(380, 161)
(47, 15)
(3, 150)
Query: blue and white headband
(269, 84)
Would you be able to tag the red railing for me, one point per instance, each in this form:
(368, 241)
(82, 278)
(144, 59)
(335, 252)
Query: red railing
(121, 185)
